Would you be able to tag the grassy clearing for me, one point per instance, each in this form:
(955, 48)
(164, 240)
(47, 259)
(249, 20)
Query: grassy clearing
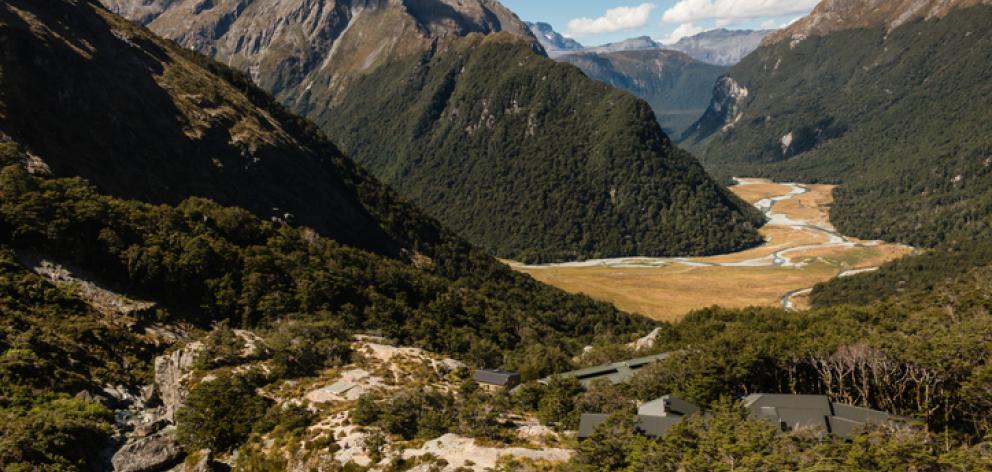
(670, 292)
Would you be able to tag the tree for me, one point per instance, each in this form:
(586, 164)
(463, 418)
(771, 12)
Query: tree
(219, 414)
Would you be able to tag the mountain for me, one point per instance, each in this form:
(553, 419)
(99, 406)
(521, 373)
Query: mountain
(677, 87)
(290, 47)
(639, 43)
(721, 46)
(886, 98)
(139, 187)
(453, 105)
(553, 42)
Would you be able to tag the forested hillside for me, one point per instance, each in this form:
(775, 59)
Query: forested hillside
(527, 158)
(898, 117)
(677, 87)
(116, 148)
(537, 161)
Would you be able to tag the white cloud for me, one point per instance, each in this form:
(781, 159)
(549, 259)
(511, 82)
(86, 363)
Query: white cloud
(684, 30)
(769, 24)
(696, 10)
(615, 19)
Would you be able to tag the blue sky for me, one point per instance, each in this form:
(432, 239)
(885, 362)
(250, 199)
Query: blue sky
(594, 22)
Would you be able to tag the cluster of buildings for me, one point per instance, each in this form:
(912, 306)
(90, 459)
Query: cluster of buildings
(655, 418)
(788, 412)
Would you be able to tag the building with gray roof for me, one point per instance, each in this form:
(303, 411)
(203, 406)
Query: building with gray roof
(496, 378)
(618, 372)
(788, 412)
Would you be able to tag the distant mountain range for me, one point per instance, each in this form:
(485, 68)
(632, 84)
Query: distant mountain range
(517, 153)
(677, 87)
(677, 80)
(720, 47)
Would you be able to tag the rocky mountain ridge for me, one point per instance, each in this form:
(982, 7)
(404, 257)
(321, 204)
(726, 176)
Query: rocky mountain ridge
(553, 42)
(832, 16)
(291, 46)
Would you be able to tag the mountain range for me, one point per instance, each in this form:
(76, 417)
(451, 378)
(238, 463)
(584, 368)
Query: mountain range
(538, 163)
(722, 47)
(677, 87)
(676, 80)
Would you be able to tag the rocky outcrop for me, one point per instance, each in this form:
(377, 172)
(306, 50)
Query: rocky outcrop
(171, 373)
(724, 111)
(553, 42)
(831, 16)
(149, 454)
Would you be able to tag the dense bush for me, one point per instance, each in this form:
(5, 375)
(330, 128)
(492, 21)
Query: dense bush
(220, 413)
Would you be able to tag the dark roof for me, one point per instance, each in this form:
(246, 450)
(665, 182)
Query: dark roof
(790, 412)
(654, 426)
(615, 373)
(496, 377)
(813, 411)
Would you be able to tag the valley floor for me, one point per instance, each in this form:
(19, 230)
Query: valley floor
(801, 249)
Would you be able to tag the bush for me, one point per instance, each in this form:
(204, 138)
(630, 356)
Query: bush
(219, 414)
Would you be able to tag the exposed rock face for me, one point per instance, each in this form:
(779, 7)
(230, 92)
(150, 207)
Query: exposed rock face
(553, 42)
(721, 47)
(289, 46)
(724, 110)
(171, 372)
(838, 15)
(150, 454)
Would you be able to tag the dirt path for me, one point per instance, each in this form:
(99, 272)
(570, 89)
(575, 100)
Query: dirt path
(802, 249)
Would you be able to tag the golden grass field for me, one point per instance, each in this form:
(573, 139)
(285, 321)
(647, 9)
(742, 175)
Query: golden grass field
(670, 292)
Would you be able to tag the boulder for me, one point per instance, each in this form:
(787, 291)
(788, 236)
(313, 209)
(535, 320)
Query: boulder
(149, 454)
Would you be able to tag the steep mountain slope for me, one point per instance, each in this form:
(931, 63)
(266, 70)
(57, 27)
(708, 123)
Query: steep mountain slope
(721, 46)
(545, 164)
(295, 48)
(523, 156)
(890, 101)
(677, 87)
(177, 131)
(553, 42)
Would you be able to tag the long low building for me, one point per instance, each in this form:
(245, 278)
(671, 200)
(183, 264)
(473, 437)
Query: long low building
(788, 412)
(618, 372)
